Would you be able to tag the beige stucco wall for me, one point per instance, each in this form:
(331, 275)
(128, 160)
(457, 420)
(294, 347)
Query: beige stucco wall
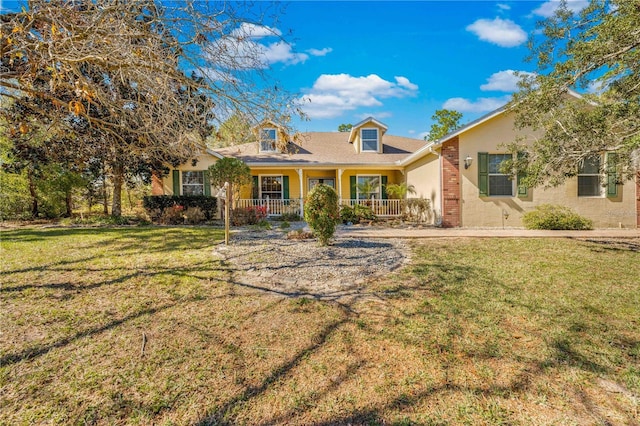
(424, 175)
(490, 211)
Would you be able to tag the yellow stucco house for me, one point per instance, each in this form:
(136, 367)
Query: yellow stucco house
(459, 174)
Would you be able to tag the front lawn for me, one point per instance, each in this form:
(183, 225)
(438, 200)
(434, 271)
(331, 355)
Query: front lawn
(148, 326)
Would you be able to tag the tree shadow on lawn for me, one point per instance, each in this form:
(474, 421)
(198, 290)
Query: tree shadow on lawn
(124, 240)
(445, 281)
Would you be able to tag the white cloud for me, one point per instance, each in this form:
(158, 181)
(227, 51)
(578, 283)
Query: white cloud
(244, 48)
(333, 94)
(319, 52)
(404, 82)
(480, 105)
(502, 32)
(503, 81)
(503, 6)
(282, 52)
(247, 30)
(548, 8)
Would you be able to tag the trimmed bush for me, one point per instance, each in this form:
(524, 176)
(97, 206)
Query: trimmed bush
(155, 205)
(322, 212)
(554, 217)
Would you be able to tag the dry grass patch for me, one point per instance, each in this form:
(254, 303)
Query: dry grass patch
(474, 331)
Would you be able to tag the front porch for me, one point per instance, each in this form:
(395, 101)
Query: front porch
(278, 207)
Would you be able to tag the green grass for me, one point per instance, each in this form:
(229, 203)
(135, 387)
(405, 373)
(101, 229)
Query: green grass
(473, 331)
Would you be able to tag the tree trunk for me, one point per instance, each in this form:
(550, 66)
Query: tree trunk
(118, 180)
(33, 193)
(69, 203)
(105, 196)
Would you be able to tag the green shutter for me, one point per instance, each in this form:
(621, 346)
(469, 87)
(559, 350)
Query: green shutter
(352, 188)
(207, 183)
(285, 187)
(255, 188)
(612, 174)
(384, 188)
(176, 182)
(523, 191)
(483, 173)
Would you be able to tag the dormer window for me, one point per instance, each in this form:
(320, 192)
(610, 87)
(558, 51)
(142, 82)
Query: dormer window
(268, 140)
(369, 138)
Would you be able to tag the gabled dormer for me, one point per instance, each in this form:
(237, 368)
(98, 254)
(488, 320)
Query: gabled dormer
(270, 136)
(366, 136)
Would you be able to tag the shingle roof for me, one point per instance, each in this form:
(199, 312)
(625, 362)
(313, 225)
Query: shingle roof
(326, 148)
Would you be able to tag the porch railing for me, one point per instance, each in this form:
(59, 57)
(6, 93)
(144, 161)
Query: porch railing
(381, 208)
(278, 207)
(274, 207)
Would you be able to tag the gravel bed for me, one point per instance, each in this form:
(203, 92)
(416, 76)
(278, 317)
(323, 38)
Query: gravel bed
(267, 260)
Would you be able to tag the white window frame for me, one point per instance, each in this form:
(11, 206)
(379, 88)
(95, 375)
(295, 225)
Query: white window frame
(489, 174)
(379, 195)
(272, 143)
(195, 185)
(281, 186)
(362, 139)
(599, 174)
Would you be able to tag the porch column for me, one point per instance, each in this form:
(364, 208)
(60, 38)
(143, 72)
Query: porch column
(301, 192)
(340, 171)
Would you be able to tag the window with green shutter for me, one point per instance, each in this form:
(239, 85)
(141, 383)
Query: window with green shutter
(483, 173)
(612, 175)
(176, 182)
(491, 180)
(523, 191)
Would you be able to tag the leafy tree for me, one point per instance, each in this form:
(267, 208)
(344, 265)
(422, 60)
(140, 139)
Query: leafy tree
(231, 170)
(447, 120)
(322, 213)
(114, 75)
(234, 131)
(596, 51)
(345, 127)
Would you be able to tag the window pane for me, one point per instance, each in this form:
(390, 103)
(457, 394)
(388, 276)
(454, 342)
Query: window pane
(495, 160)
(590, 166)
(500, 185)
(268, 140)
(368, 186)
(271, 186)
(589, 186)
(192, 178)
(369, 139)
(193, 190)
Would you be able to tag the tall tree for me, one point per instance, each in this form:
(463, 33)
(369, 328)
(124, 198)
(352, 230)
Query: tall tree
(345, 127)
(446, 121)
(598, 52)
(115, 75)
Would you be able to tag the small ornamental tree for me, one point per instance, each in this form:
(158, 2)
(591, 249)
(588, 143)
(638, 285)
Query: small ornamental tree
(322, 213)
(231, 170)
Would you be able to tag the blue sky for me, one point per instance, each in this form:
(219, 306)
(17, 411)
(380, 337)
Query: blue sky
(398, 61)
(401, 61)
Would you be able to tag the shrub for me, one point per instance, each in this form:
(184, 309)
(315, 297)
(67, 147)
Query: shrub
(285, 224)
(194, 215)
(289, 217)
(173, 215)
(322, 213)
(356, 214)
(416, 209)
(155, 205)
(549, 216)
(248, 215)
